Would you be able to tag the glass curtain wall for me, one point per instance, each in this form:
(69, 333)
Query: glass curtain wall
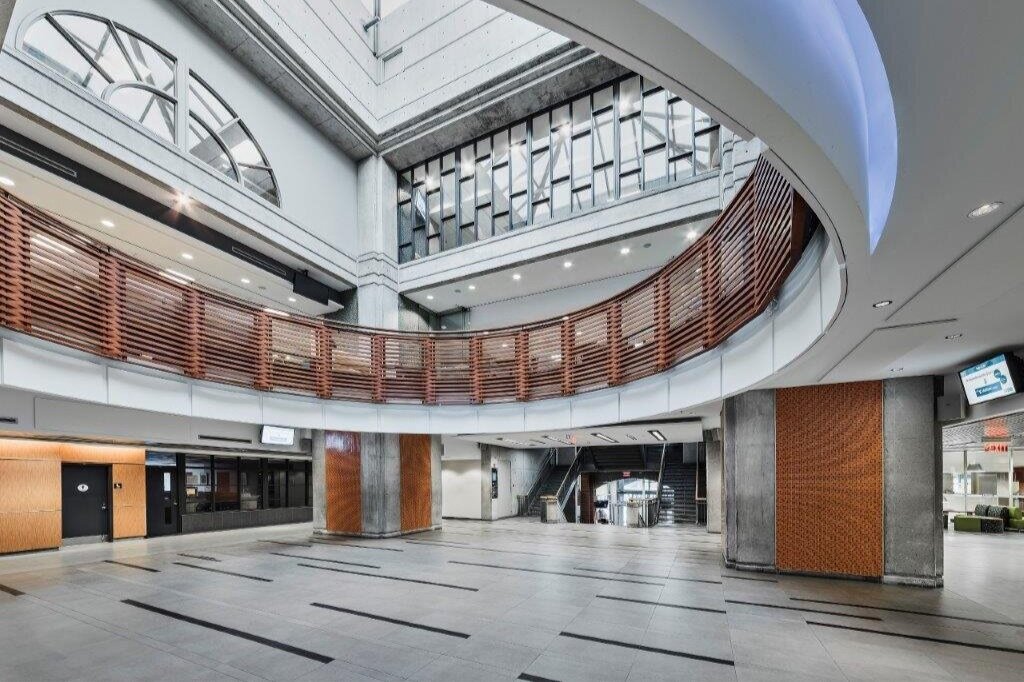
(623, 138)
(215, 483)
(976, 476)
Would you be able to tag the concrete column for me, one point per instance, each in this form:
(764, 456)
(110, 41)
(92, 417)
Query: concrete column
(381, 484)
(319, 480)
(912, 470)
(436, 450)
(377, 222)
(486, 462)
(748, 422)
(714, 473)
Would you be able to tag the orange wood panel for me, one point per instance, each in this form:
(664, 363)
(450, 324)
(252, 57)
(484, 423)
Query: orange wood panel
(129, 500)
(829, 479)
(29, 486)
(342, 482)
(414, 452)
(11, 448)
(25, 531)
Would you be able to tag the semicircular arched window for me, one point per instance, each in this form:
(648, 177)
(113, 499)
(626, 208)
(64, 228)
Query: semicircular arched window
(139, 80)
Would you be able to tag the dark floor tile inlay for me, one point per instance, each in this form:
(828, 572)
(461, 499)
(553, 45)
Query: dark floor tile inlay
(395, 621)
(290, 544)
(331, 561)
(910, 611)
(124, 563)
(648, 575)
(11, 591)
(392, 577)
(658, 603)
(534, 678)
(217, 570)
(338, 543)
(312, 655)
(756, 580)
(920, 638)
(649, 649)
(571, 575)
(797, 608)
(200, 557)
(475, 548)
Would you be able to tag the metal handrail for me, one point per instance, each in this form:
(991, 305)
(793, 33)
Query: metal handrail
(661, 473)
(545, 469)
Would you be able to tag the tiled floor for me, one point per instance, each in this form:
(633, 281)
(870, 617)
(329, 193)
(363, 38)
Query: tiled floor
(494, 601)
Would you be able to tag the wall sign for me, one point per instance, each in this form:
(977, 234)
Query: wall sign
(83, 488)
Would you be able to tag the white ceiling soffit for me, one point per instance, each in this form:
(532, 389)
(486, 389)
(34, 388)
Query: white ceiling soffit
(638, 433)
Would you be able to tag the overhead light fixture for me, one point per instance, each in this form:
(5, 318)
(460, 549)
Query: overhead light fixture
(6, 181)
(607, 439)
(181, 277)
(985, 209)
(881, 304)
(896, 369)
(516, 276)
(567, 264)
(638, 344)
(183, 200)
(624, 250)
(691, 235)
(631, 436)
(954, 337)
(187, 256)
(279, 313)
(245, 280)
(106, 222)
(557, 357)
(472, 287)
(430, 297)
(658, 435)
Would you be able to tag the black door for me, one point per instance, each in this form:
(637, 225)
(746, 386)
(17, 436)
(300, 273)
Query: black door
(161, 500)
(86, 502)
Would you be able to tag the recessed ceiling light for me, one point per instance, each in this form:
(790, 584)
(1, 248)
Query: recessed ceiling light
(179, 275)
(624, 250)
(691, 235)
(954, 337)
(6, 181)
(567, 264)
(607, 439)
(444, 327)
(106, 222)
(245, 280)
(458, 291)
(896, 369)
(658, 435)
(279, 313)
(472, 287)
(881, 304)
(516, 276)
(430, 297)
(187, 256)
(291, 299)
(647, 245)
(183, 200)
(985, 209)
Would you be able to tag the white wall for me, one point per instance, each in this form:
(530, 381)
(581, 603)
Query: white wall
(320, 204)
(460, 488)
(517, 472)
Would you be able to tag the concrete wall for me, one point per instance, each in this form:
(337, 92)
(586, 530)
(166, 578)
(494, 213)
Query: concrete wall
(912, 482)
(715, 474)
(748, 422)
(317, 182)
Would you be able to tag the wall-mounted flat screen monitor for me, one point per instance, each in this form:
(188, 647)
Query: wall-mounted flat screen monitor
(277, 435)
(995, 378)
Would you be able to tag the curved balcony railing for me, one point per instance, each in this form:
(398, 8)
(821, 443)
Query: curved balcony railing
(57, 284)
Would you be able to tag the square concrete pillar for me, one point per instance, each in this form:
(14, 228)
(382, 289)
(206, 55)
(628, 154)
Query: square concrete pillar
(748, 422)
(381, 478)
(715, 474)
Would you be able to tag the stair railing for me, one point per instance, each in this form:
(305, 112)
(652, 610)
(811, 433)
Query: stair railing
(661, 473)
(568, 484)
(546, 465)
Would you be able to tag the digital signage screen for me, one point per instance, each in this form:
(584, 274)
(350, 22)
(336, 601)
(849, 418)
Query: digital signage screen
(994, 378)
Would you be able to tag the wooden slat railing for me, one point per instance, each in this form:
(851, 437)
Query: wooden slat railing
(57, 284)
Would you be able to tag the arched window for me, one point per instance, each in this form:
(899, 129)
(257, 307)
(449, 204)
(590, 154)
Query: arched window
(138, 79)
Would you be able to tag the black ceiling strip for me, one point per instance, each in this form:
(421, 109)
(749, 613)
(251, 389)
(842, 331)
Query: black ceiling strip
(43, 157)
(649, 649)
(392, 577)
(330, 561)
(395, 621)
(124, 563)
(231, 631)
(920, 638)
(231, 573)
(910, 611)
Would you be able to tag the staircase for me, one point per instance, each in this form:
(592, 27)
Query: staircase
(678, 491)
(548, 487)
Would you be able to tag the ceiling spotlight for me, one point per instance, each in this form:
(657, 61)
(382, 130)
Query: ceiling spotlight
(658, 435)
(624, 250)
(106, 222)
(187, 256)
(607, 439)
(516, 276)
(472, 287)
(291, 299)
(691, 235)
(567, 264)
(430, 297)
(985, 209)
(954, 337)
(245, 280)
(6, 181)
(881, 304)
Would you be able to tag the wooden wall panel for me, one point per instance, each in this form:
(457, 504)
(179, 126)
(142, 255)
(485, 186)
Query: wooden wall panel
(414, 450)
(829, 501)
(343, 482)
(27, 485)
(78, 453)
(129, 500)
(25, 531)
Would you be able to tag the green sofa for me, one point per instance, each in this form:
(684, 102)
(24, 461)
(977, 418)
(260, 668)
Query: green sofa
(1016, 521)
(969, 523)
